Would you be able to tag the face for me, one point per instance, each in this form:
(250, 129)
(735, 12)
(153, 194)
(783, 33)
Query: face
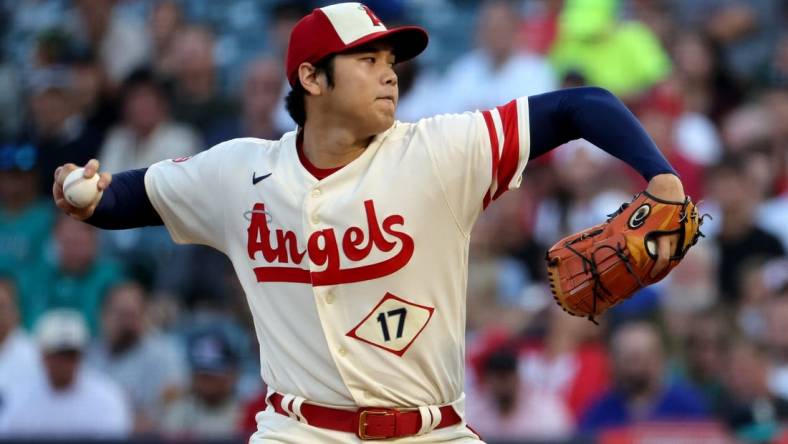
(213, 388)
(497, 24)
(61, 367)
(164, 21)
(705, 347)
(49, 110)
(194, 54)
(144, 110)
(123, 318)
(637, 355)
(262, 88)
(365, 92)
(77, 244)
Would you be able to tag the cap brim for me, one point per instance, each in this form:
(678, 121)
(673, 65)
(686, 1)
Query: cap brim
(407, 41)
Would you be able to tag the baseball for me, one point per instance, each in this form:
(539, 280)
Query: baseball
(79, 191)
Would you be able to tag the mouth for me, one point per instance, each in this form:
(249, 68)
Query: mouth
(389, 98)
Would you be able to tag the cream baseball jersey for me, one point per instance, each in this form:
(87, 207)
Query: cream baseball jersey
(356, 282)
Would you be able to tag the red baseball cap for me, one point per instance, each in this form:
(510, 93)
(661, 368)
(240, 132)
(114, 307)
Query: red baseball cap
(336, 28)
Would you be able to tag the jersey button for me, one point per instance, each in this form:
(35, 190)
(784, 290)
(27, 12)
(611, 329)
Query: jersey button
(315, 219)
(342, 351)
(330, 297)
(316, 192)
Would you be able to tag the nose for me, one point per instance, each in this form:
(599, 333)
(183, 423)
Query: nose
(390, 77)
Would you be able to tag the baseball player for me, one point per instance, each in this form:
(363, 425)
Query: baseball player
(350, 234)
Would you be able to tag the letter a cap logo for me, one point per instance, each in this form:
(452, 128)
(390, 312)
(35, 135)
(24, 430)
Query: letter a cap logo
(337, 28)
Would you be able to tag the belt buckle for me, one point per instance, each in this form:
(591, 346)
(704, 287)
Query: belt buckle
(362, 423)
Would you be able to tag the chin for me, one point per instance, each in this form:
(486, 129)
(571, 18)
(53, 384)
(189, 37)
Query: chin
(381, 124)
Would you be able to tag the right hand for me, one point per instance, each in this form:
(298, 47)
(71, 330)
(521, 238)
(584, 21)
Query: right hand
(91, 168)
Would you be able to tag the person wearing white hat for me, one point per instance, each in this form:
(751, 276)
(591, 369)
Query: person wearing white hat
(69, 401)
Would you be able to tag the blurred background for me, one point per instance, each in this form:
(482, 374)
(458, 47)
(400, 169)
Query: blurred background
(124, 336)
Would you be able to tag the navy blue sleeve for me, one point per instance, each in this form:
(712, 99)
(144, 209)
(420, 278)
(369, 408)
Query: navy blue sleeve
(598, 116)
(125, 204)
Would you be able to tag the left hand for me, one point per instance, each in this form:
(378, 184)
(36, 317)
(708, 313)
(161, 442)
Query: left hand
(666, 187)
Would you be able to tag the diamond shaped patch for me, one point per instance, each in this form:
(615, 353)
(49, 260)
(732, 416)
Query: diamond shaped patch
(393, 324)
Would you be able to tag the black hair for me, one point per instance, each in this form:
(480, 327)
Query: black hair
(144, 77)
(295, 102)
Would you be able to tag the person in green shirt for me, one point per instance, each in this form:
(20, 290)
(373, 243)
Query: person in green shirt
(75, 278)
(623, 57)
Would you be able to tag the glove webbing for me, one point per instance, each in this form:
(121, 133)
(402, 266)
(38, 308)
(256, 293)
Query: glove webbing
(589, 266)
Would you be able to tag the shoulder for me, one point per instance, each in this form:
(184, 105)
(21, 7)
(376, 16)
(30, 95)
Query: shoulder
(246, 145)
(98, 387)
(686, 395)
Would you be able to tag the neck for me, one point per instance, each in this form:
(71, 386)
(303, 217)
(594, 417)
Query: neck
(332, 147)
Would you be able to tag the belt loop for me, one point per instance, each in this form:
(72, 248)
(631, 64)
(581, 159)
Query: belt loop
(426, 420)
(298, 401)
(286, 400)
(268, 394)
(436, 416)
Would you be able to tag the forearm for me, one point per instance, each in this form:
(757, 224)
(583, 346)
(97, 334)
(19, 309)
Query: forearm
(598, 116)
(125, 204)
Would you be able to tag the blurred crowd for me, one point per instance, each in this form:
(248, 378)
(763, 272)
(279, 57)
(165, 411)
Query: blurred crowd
(156, 340)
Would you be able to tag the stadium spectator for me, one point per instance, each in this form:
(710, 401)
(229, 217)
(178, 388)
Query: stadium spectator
(57, 127)
(740, 240)
(77, 278)
(752, 412)
(706, 346)
(164, 23)
(210, 408)
(777, 343)
(505, 408)
(624, 57)
(744, 30)
(493, 74)
(640, 392)
(146, 134)
(703, 84)
(19, 356)
(120, 42)
(262, 88)
(147, 365)
(198, 100)
(570, 361)
(26, 221)
(70, 401)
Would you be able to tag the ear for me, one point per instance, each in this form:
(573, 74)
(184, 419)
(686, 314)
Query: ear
(309, 79)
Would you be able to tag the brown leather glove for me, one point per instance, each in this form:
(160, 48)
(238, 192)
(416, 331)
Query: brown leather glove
(601, 266)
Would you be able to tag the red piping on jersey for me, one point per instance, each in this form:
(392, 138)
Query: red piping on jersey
(318, 173)
(511, 147)
(494, 148)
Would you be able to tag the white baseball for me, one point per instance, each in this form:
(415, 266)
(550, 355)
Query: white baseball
(79, 191)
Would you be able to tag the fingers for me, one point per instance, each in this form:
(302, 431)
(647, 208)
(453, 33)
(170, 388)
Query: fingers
(91, 168)
(104, 180)
(62, 171)
(663, 255)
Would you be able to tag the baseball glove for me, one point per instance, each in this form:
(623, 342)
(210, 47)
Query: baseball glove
(597, 268)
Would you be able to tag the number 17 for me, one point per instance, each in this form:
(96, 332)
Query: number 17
(384, 325)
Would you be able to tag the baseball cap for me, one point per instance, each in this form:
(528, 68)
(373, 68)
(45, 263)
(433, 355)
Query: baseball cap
(60, 330)
(210, 351)
(18, 157)
(337, 28)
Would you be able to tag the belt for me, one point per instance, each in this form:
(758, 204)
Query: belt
(367, 422)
